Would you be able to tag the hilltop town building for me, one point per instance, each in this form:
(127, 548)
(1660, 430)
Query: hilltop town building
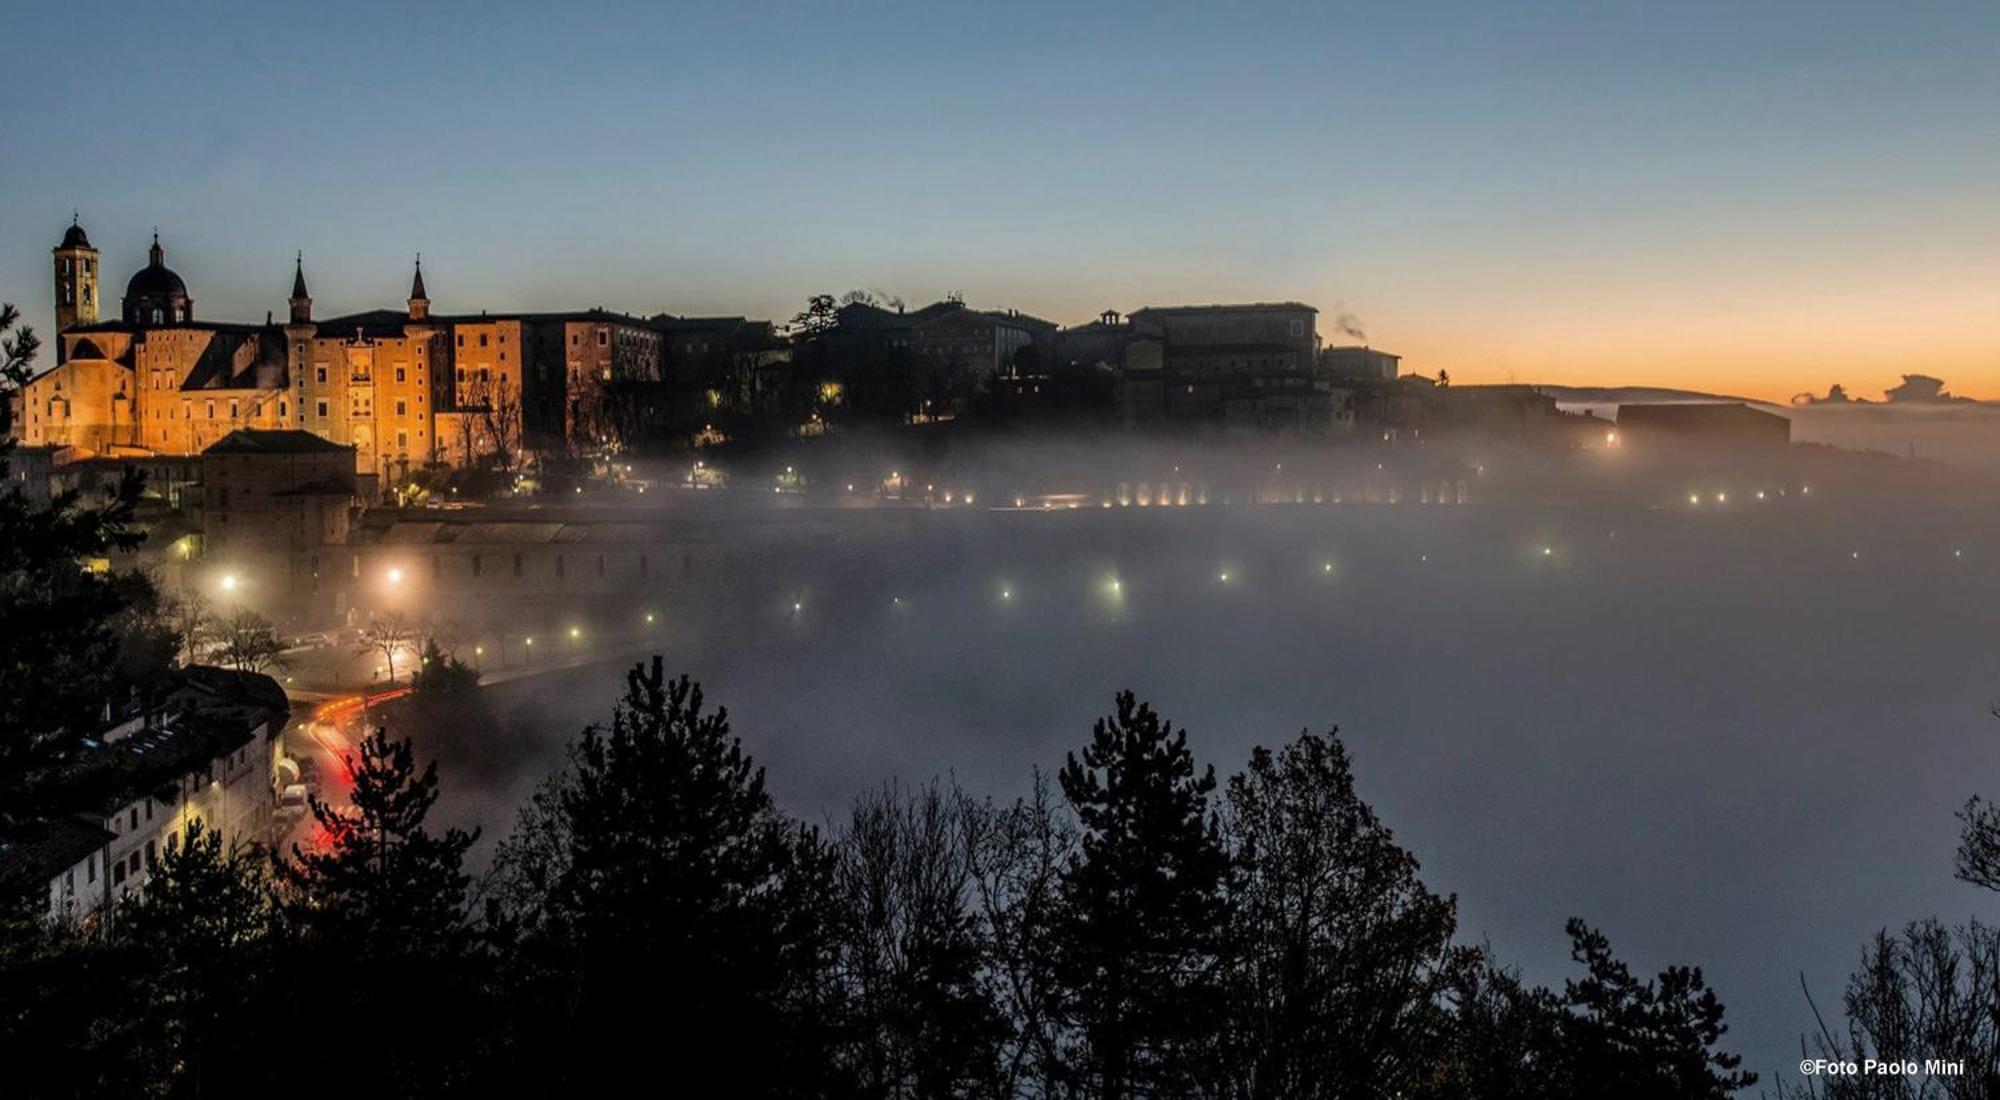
(404, 389)
(409, 389)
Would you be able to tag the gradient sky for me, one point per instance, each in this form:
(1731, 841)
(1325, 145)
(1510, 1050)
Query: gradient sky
(1752, 198)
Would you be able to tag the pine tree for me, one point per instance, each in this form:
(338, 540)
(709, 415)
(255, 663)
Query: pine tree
(1607, 1033)
(678, 918)
(1626, 1037)
(1344, 957)
(67, 631)
(379, 939)
(1140, 934)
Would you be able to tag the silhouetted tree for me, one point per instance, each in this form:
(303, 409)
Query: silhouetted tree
(67, 628)
(911, 949)
(1607, 1034)
(194, 946)
(1978, 859)
(1140, 934)
(440, 675)
(1343, 957)
(1625, 1037)
(388, 634)
(820, 316)
(56, 985)
(671, 882)
(1928, 992)
(18, 347)
(191, 621)
(249, 643)
(379, 940)
(1016, 855)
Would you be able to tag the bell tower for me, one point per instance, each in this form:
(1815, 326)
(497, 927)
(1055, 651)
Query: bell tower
(76, 282)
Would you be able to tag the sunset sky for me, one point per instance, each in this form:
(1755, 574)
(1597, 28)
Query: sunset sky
(1757, 199)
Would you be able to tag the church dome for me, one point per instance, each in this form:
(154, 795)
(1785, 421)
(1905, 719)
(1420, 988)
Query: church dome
(156, 280)
(156, 295)
(75, 237)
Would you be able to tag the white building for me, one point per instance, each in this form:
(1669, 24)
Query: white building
(208, 755)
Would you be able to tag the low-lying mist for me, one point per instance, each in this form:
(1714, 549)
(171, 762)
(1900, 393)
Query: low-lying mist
(1730, 733)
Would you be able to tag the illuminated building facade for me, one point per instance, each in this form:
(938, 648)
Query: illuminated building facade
(404, 389)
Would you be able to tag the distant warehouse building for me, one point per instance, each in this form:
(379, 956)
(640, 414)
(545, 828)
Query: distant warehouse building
(1720, 424)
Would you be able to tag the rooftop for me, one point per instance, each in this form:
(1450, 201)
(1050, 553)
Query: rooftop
(274, 441)
(41, 850)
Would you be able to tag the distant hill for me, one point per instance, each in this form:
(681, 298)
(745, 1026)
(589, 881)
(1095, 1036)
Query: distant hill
(1629, 395)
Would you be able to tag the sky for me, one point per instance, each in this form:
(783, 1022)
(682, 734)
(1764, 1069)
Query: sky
(1753, 199)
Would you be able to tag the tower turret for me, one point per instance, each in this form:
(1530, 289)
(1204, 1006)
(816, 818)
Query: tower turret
(76, 282)
(302, 303)
(420, 302)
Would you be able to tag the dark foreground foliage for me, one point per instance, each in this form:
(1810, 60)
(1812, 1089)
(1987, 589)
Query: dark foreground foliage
(1135, 929)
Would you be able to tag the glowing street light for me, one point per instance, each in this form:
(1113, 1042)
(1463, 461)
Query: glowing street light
(229, 582)
(395, 575)
(649, 618)
(575, 633)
